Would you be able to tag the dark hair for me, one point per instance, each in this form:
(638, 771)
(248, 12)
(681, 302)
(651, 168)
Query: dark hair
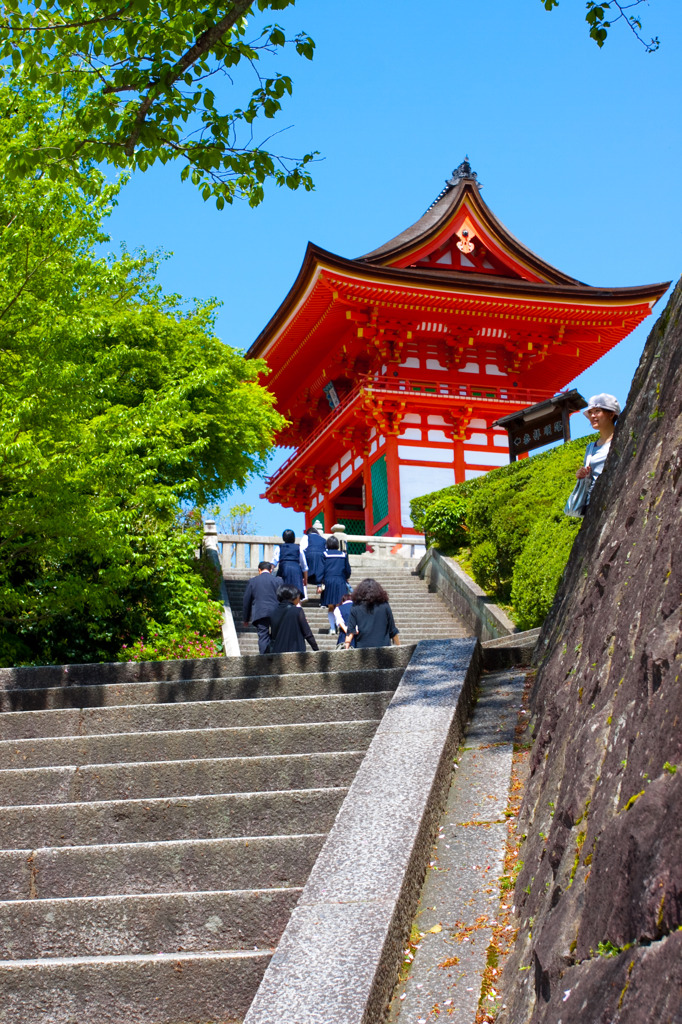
(332, 543)
(289, 537)
(311, 529)
(288, 594)
(369, 592)
(346, 597)
(265, 565)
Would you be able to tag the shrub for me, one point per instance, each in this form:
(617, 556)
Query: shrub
(485, 565)
(211, 575)
(169, 646)
(445, 522)
(420, 505)
(539, 568)
(513, 517)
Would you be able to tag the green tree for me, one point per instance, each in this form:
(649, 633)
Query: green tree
(145, 81)
(240, 519)
(118, 406)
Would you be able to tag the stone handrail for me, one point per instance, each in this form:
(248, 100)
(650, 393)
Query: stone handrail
(211, 546)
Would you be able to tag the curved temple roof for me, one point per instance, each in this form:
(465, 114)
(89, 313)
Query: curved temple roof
(457, 247)
(462, 190)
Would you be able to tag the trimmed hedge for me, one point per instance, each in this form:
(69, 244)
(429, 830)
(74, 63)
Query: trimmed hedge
(540, 567)
(512, 519)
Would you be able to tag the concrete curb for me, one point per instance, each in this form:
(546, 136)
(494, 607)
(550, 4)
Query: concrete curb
(338, 958)
(464, 596)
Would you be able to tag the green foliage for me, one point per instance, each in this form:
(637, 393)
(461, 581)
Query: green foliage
(444, 522)
(419, 506)
(539, 568)
(519, 538)
(118, 407)
(608, 949)
(167, 647)
(144, 82)
(485, 566)
(240, 519)
(603, 14)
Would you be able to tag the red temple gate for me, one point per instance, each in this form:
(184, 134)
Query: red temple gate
(393, 367)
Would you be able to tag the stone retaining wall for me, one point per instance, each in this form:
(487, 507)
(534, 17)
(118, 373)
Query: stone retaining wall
(599, 896)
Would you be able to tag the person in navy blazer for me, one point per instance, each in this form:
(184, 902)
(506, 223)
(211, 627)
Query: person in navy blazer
(260, 601)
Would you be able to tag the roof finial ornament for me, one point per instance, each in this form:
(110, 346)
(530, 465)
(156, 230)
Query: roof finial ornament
(463, 173)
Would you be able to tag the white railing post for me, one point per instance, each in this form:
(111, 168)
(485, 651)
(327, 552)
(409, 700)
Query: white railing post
(212, 549)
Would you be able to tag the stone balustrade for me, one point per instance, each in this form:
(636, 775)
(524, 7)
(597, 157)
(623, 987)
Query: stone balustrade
(245, 551)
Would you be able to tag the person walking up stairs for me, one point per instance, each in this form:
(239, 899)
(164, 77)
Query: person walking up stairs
(419, 614)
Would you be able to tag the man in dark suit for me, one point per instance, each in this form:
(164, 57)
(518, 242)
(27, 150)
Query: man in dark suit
(260, 601)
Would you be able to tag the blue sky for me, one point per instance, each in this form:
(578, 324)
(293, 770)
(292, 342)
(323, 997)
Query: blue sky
(579, 151)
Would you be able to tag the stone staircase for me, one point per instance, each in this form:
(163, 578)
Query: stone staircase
(419, 614)
(155, 832)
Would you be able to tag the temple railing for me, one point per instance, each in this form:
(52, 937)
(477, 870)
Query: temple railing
(448, 391)
(245, 551)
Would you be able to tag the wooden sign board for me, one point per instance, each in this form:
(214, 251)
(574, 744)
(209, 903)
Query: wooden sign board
(541, 424)
(524, 437)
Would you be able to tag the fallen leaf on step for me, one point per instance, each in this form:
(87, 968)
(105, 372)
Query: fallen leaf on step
(436, 928)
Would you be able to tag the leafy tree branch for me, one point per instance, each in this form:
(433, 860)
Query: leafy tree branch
(604, 14)
(139, 83)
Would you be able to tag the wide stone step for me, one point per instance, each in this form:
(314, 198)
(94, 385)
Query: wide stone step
(362, 674)
(151, 923)
(432, 629)
(254, 862)
(410, 633)
(141, 780)
(14, 680)
(325, 641)
(189, 817)
(157, 825)
(186, 744)
(166, 988)
(203, 714)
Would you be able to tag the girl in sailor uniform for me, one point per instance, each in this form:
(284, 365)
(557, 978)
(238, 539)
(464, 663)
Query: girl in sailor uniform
(334, 576)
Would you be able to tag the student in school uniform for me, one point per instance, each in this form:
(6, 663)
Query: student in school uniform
(260, 600)
(313, 545)
(371, 619)
(334, 578)
(341, 617)
(290, 563)
(289, 628)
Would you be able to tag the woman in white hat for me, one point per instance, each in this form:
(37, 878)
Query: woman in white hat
(602, 412)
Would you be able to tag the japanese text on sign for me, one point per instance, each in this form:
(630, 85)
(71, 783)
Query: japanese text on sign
(524, 438)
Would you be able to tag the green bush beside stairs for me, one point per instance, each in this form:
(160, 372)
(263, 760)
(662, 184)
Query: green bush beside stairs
(512, 521)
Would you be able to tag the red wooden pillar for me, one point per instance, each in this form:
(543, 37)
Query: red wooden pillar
(459, 462)
(393, 475)
(328, 509)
